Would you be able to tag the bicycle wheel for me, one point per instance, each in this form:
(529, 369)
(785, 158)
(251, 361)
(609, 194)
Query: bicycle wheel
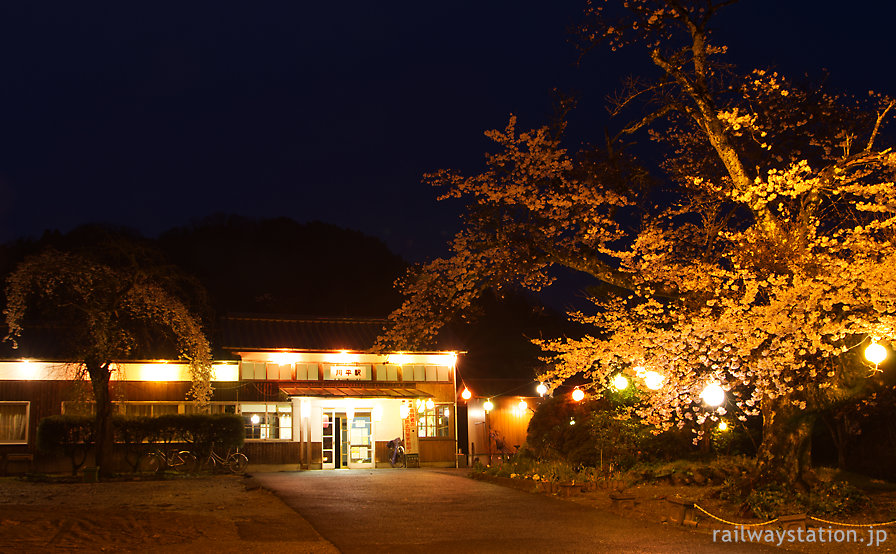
(149, 463)
(237, 462)
(401, 461)
(185, 462)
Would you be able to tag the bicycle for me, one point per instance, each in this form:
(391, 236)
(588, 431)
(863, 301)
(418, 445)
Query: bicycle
(397, 454)
(182, 461)
(235, 462)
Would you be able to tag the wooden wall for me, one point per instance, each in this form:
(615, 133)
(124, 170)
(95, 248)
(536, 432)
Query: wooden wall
(281, 452)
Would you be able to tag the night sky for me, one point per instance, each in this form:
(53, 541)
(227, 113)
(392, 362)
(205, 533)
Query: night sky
(152, 115)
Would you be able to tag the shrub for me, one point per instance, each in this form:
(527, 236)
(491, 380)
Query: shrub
(836, 498)
(69, 435)
(768, 501)
(74, 435)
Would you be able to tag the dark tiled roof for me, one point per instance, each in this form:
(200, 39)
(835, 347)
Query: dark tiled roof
(246, 332)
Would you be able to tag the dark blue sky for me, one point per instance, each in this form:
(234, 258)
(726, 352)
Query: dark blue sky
(151, 115)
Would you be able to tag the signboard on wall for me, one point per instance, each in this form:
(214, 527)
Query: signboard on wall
(351, 372)
(410, 429)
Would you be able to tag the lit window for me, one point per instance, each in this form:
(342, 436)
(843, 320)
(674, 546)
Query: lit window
(268, 420)
(14, 422)
(434, 422)
(149, 409)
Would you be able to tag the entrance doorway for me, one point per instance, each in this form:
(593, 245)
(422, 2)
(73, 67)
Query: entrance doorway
(347, 443)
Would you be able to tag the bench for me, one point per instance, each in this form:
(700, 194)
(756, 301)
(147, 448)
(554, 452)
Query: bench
(622, 500)
(7, 457)
(795, 521)
(682, 511)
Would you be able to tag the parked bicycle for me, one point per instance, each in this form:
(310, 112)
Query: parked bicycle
(397, 455)
(182, 461)
(233, 461)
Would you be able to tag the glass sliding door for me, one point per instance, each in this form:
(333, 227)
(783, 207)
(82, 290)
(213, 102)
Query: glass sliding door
(347, 442)
(360, 441)
(328, 443)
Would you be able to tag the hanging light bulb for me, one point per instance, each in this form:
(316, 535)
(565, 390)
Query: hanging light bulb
(620, 382)
(723, 426)
(578, 394)
(466, 395)
(653, 380)
(488, 406)
(875, 353)
(404, 410)
(541, 389)
(522, 406)
(430, 404)
(713, 395)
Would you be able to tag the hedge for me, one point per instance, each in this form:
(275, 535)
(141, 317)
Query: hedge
(73, 435)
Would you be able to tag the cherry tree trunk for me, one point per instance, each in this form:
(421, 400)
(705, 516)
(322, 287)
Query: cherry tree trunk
(105, 437)
(785, 454)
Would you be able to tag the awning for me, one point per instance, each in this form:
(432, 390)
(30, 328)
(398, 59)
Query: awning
(356, 392)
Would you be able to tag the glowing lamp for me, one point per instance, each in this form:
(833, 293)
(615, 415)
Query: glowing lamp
(620, 382)
(723, 426)
(541, 389)
(466, 395)
(447, 411)
(430, 404)
(488, 406)
(653, 380)
(875, 353)
(578, 395)
(255, 419)
(713, 395)
(523, 406)
(404, 411)
(572, 421)
(397, 359)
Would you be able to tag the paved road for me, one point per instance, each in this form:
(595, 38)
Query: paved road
(421, 510)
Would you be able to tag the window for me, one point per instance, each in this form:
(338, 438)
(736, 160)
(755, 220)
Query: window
(149, 409)
(267, 421)
(14, 422)
(433, 422)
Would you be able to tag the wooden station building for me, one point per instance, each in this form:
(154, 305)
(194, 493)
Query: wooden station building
(309, 390)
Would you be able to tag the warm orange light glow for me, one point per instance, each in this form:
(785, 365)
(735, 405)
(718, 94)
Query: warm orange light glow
(713, 395)
(653, 380)
(397, 359)
(488, 406)
(620, 382)
(430, 404)
(541, 389)
(522, 406)
(578, 395)
(404, 411)
(875, 353)
(466, 395)
(283, 358)
(723, 426)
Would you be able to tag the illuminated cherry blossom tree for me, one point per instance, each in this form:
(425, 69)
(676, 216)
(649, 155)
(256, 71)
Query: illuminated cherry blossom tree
(764, 264)
(105, 312)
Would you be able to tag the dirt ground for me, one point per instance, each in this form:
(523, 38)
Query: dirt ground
(201, 514)
(229, 513)
(650, 504)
